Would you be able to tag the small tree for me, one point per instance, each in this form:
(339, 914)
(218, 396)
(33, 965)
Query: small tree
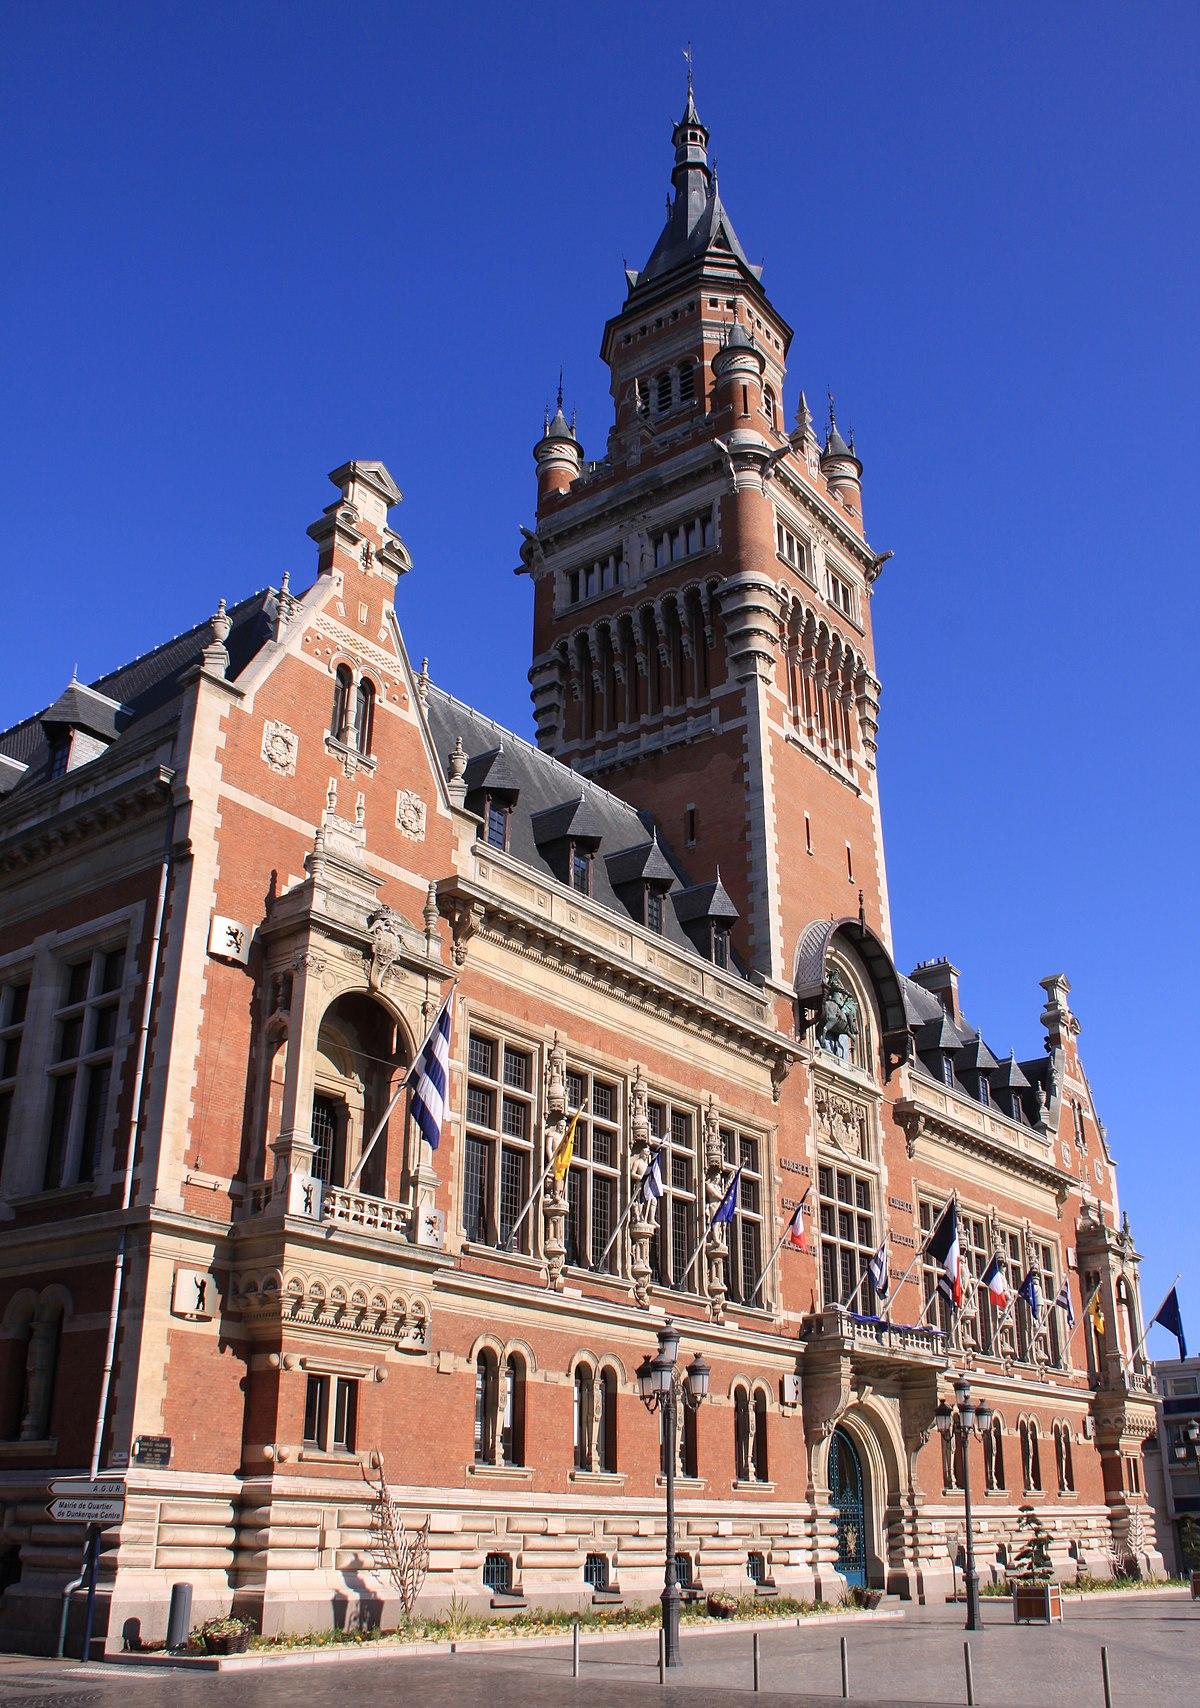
(1031, 1562)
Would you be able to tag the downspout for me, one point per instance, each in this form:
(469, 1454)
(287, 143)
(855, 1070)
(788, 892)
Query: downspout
(139, 1079)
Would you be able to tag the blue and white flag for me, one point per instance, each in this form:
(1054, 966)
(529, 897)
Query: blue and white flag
(725, 1209)
(877, 1269)
(1063, 1303)
(652, 1180)
(1028, 1290)
(429, 1077)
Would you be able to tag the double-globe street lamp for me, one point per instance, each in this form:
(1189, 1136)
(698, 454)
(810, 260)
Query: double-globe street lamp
(661, 1388)
(1188, 1445)
(970, 1420)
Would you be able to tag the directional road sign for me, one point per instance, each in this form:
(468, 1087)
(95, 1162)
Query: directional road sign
(72, 1511)
(90, 1488)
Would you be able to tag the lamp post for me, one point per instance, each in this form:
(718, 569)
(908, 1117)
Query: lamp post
(662, 1389)
(970, 1420)
(1189, 1446)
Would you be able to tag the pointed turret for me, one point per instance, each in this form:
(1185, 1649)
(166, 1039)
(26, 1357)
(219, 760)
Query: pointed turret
(558, 453)
(841, 467)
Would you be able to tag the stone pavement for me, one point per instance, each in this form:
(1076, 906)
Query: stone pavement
(1153, 1641)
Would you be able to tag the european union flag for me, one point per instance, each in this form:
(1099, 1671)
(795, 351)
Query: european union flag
(1168, 1314)
(725, 1209)
(1028, 1290)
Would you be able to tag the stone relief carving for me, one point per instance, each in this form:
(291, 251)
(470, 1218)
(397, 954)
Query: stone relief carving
(644, 1217)
(410, 814)
(716, 1252)
(280, 746)
(842, 1122)
(387, 944)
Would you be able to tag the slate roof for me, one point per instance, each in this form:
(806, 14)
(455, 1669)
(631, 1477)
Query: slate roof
(935, 1035)
(142, 687)
(549, 802)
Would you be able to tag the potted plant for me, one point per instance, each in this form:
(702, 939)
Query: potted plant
(1036, 1597)
(720, 1605)
(226, 1636)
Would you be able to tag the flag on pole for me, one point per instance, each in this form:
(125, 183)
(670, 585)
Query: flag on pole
(1095, 1313)
(877, 1269)
(725, 1209)
(996, 1282)
(560, 1162)
(652, 1180)
(797, 1236)
(1028, 1290)
(942, 1245)
(1168, 1314)
(1063, 1303)
(429, 1076)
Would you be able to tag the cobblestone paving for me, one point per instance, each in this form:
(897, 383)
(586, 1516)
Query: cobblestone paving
(1153, 1642)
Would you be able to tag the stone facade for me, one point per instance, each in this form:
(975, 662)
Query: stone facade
(228, 918)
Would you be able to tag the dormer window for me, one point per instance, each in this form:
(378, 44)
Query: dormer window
(720, 947)
(985, 1095)
(581, 870)
(947, 1070)
(60, 753)
(495, 821)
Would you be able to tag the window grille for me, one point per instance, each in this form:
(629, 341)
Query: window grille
(595, 1571)
(683, 1571)
(324, 1136)
(756, 1568)
(497, 1574)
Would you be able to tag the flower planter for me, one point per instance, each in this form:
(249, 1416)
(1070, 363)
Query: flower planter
(1037, 1603)
(227, 1643)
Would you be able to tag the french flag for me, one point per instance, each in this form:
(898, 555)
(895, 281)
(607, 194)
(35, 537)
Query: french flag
(796, 1235)
(996, 1282)
(943, 1247)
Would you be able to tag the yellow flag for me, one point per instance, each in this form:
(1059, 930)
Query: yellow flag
(565, 1149)
(1096, 1314)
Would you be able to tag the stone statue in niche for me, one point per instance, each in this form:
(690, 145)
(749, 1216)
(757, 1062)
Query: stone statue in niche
(839, 1023)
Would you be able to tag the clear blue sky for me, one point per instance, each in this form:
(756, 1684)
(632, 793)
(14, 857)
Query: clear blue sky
(245, 243)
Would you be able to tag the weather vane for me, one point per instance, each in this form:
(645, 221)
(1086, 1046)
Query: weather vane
(687, 54)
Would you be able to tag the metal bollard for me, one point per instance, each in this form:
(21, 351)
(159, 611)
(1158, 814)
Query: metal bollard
(845, 1671)
(970, 1676)
(575, 1650)
(662, 1657)
(757, 1659)
(179, 1617)
(1107, 1679)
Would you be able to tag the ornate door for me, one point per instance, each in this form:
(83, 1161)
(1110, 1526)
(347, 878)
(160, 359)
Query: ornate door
(849, 1514)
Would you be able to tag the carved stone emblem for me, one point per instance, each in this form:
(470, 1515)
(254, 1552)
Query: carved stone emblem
(279, 747)
(410, 814)
(842, 1122)
(387, 944)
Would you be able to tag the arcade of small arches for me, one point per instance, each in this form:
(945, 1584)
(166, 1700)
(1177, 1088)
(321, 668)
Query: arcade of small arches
(642, 662)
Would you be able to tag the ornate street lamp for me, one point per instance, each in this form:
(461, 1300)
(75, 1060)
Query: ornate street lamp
(970, 1420)
(661, 1389)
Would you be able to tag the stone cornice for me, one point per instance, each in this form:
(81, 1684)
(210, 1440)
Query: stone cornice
(921, 1119)
(132, 797)
(709, 1010)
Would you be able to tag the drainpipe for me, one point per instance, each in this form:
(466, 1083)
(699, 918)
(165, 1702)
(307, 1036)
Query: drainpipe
(139, 1078)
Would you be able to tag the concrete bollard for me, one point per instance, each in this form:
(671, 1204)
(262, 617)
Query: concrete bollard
(757, 1661)
(1107, 1679)
(179, 1616)
(845, 1670)
(970, 1675)
(575, 1650)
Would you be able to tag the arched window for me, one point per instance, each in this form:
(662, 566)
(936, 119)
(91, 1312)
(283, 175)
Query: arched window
(1062, 1457)
(662, 392)
(585, 1404)
(758, 1456)
(485, 1407)
(364, 715)
(339, 717)
(741, 1435)
(769, 408)
(606, 1434)
(512, 1412)
(499, 1409)
(1035, 1457)
(687, 1463)
(843, 1023)
(993, 1456)
(687, 382)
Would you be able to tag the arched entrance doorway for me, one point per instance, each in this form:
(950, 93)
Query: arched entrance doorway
(846, 1496)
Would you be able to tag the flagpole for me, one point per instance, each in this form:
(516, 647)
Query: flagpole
(711, 1224)
(403, 1087)
(1084, 1309)
(1150, 1321)
(920, 1255)
(529, 1202)
(602, 1259)
(859, 1288)
(779, 1243)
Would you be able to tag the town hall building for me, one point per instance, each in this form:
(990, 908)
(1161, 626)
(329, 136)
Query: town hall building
(240, 875)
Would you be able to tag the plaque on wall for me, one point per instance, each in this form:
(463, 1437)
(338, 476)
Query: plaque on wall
(152, 1450)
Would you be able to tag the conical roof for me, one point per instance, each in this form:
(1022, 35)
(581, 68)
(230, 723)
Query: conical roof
(697, 223)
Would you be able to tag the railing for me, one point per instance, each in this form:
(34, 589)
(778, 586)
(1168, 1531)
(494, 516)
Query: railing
(361, 1210)
(902, 1338)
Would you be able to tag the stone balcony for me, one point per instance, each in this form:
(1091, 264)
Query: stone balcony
(339, 1208)
(873, 1338)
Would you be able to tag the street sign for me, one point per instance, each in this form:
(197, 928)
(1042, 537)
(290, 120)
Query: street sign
(90, 1488)
(70, 1511)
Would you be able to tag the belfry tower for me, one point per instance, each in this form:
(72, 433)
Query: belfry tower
(702, 627)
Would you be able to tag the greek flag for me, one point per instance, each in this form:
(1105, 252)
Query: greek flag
(652, 1180)
(430, 1075)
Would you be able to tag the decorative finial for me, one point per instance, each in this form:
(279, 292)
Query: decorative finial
(687, 54)
(850, 446)
(803, 414)
(832, 416)
(560, 389)
(331, 795)
(458, 759)
(573, 421)
(423, 683)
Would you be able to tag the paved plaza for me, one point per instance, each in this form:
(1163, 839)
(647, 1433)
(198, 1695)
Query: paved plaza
(1153, 1642)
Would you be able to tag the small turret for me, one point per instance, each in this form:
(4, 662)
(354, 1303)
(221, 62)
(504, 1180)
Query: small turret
(841, 467)
(558, 453)
(738, 369)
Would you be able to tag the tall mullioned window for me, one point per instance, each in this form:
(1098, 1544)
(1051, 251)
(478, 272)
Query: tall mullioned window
(14, 999)
(498, 1145)
(844, 1206)
(84, 1037)
(746, 1230)
(675, 1130)
(592, 1180)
